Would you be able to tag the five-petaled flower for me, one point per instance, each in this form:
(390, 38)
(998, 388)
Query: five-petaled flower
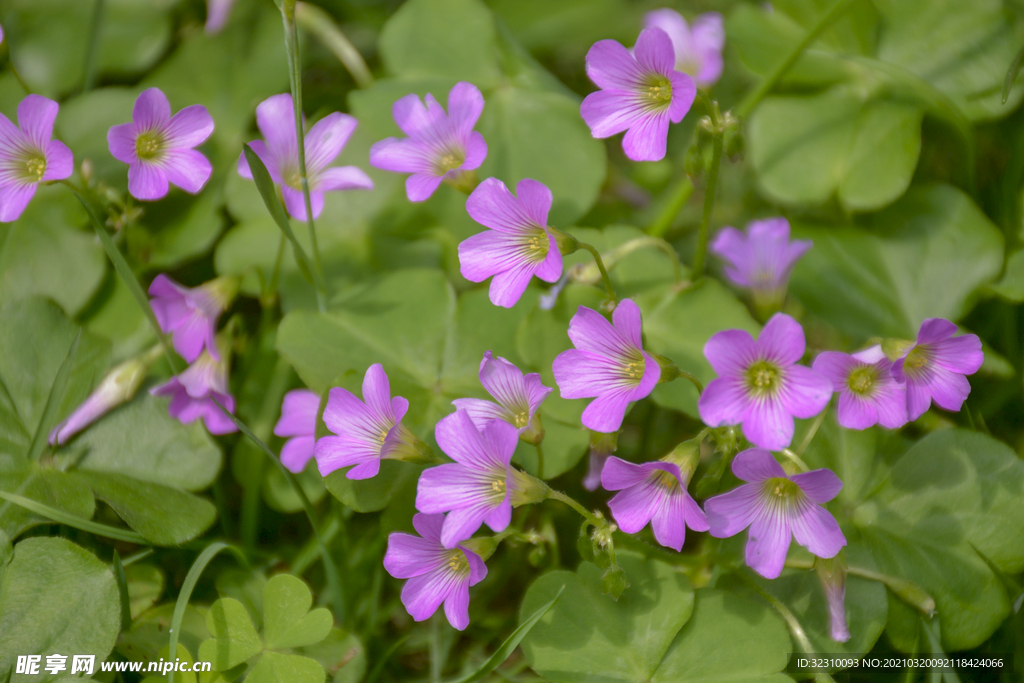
(777, 507)
(761, 260)
(28, 156)
(194, 391)
(190, 313)
(518, 244)
(641, 92)
(868, 392)
(368, 431)
(436, 572)
(476, 487)
(652, 492)
(158, 147)
(698, 46)
(275, 118)
(518, 396)
(608, 364)
(760, 385)
(298, 421)
(439, 147)
(934, 368)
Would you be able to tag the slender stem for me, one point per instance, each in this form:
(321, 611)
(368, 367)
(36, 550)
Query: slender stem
(669, 250)
(797, 459)
(320, 24)
(291, 40)
(753, 99)
(89, 77)
(604, 273)
(696, 382)
(680, 194)
(811, 432)
(571, 502)
(540, 459)
(709, 203)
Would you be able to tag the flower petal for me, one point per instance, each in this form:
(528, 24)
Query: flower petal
(419, 187)
(669, 521)
(423, 594)
(836, 367)
(189, 127)
(646, 139)
(456, 606)
(959, 354)
(730, 352)
(402, 155)
(147, 181)
(465, 104)
(654, 52)
(591, 331)
(724, 402)
(298, 413)
(684, 92)
(609, 112)
(508, 286)
(296, 452)
(804, 392)
(856, 412)
(186, 168)
(782, 340)
(121, 142)
(36, 115)
(820, 486)
(619, 474)
(769, 544)
(634, 507)
(459, 439)
(325, 140)
(60, 162)
(491, 204)
(817, 530)
(535, 199)
(275, 117)
(408, 556)
(935, 330)
(732, 512)
(606, 412)
(768, 425)
(756, 464)
(611, 67)
(152, 111)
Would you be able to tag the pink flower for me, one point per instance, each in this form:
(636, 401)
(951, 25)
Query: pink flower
(518, 396)
(761, 259)
(935, 368)
(608, 363)
(868, 392)
(698, 47)
(217, 13)
(518, 244)
(193, 393)
(298, 420)
(760, 384)
(436, 573)
(775, 507)
(158, 147)
(28, 156)
(191, 313)
(439, 147)
(641, 92)
(275, 118)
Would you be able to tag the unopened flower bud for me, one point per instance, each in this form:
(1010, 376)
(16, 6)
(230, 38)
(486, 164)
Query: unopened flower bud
(614, 581)
(832, 573)
(526, 489)
(567, 244)
(601, 446)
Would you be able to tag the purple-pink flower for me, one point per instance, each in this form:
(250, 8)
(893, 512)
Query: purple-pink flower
(217, 13)
(190, 313)
(28, 156)
(608, 364)
(436, 573)
(475, 488)
(652, 492)
(368, 431)
(777, 508)
(698, 47)
(298, 420)
(518, 244)
(193, 393)
(118, 386)
(518, 396)
(868, 392)
(641, 92)
(935, 367)
(158, 147)
(762, 259)
(760, 384)
(275, 118)
(440, 146)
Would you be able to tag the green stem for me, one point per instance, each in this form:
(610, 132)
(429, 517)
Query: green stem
(680, 194)
(600, 266)
(796, 459)
(540, 459)
(291, 41)
(709, 195)
(320, 24)
(67, 519)
(593, 519)
(748, 105)
(811, 432)
(89, 77)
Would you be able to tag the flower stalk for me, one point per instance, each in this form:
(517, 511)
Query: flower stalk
(717, 130)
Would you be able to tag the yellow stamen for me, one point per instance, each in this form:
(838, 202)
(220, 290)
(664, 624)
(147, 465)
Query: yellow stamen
(36, 167)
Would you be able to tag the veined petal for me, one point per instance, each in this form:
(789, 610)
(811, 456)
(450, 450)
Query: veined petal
(856, 412)
(189, 128)
(480, 411)
(476, 151)
(804, 393)
(326, 139)
(606, 412)
(935, 330)
(456, 605)
(550, 269)
(591, 331)
(646, 139)
(296, 452)
(491, 204)
(423, 594)
(817, 530)
(335, 452)
(413, 118)
(14, 199)
(836, 367)
(462, 522)
(428, 526)
(298, 413)
(504, 381)
(147, 181)
(732, 512)
(60, 163)
(948, 389)
(582, 374)
(611, 67)
(684, 92)
(508, 286)
(626, 319)
(756, 464)
(36, 115)
(121, 142)
(275, 117)
(769, 543)
(408, 556)
(459, 438)
(669, 520)
(730, 352)
(782, 340)
(620, 474)
(377, 393)
(609, 112)
(891, 405)
(724, 401)
(654, 52)
(768, 425)
(634, 507)
(958, 354)
(465, 104)
(535, 199)
(820, 486)
(402, 155)
(419, 187)
(186, 168)
(152, 111)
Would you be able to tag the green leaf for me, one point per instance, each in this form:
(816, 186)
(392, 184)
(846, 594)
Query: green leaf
(148, 634)
(370, 495)
(677, 325)
(274, 667)
(163, 514)
(44, 253)
(341, 654)
(145, 586)
(56, 597)
(287, 620)
(808, 148)
(589, 636)
(234, 638)
(512, 642)
(962, 48)
(419, 41)
(142, 441)
(1011, 285)
(83, 122)
(924, 257)
(280, 495)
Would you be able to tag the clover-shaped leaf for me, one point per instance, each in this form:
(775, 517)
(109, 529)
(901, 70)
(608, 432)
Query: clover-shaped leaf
(234, 638)
(287, 621)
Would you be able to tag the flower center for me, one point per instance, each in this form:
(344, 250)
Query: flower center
(458, 563)
(148, 145)
(293, 179)
(382, 435)
(666, 480)
(861, 380)
(498, 486)
(781, 487)
(915, 360)
(36, 167)
(521, 419)
(658, 91)
(763, 377)
(449, 160)
(535, 245)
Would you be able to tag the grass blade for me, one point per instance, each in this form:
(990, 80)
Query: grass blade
(1011, 74)
(60, 385)
(61, 517)
(122, 588)
(265, 185)
(511, 643)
